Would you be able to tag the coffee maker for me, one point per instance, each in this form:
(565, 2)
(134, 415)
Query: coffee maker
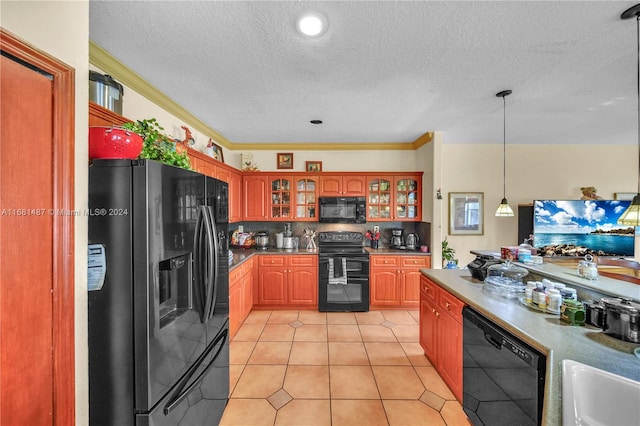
(396, 238)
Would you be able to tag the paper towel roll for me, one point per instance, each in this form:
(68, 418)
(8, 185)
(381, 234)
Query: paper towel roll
(279, 240)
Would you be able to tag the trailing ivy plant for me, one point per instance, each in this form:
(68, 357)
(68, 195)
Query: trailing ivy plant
(156, 145)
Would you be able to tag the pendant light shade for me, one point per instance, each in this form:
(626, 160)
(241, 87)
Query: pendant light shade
(504, 209)
(631, 216)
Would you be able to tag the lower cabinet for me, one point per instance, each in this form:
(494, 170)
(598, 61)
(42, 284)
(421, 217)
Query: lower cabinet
(441, 333)
(240, 295)
(287, 281)
(394, 281)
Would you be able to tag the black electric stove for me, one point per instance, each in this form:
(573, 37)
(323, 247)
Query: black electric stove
(343, 272)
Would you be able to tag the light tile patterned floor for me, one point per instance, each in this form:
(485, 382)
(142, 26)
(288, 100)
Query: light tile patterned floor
(314, 368)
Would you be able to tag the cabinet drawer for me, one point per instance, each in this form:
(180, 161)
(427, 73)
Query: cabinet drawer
(271, 260)
(451, 304)
(309, 260)
(235, 274)
(429, 289)
(417, 261)
(247, 266)
(384, 261)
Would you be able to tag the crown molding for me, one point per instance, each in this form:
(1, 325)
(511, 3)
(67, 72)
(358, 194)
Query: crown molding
(102, 59)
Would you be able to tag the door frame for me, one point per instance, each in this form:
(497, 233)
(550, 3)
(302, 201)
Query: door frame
(63, 148)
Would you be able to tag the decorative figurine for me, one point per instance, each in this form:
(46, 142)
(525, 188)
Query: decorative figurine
(188, 138)
(589, 193)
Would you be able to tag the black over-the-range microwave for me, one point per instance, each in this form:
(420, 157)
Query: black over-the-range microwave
(343, 209)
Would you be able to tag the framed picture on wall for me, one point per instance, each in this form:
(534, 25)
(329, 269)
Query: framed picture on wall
(466, 213)
(313, 166)
(285, 160)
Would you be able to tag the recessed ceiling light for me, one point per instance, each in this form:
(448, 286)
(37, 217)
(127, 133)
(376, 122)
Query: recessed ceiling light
(315, 121)
(311, 24)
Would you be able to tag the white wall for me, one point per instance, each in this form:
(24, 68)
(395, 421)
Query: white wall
(61, 29)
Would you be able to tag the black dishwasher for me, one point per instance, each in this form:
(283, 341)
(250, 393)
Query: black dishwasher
(503, 377)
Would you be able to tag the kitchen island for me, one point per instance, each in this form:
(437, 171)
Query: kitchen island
(546, 332)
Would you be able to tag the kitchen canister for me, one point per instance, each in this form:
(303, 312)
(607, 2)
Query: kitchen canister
(279, 240)
(621, 319)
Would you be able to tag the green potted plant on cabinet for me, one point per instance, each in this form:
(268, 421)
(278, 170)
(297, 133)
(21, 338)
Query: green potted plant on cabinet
(156, 145)
(448, 255)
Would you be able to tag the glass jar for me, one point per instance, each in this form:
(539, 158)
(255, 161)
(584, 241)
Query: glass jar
(587, 268)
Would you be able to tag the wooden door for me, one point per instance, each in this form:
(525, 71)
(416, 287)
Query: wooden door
(428, 329)
(383, 286)
(36, 237)
(303, 286)
(450, 353)
(255, 198)
(235, 197)
(330, 186)
(354, 186)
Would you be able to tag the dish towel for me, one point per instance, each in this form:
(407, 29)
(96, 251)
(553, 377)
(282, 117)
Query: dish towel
(338, 271)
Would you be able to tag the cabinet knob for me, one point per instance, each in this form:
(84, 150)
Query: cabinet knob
(433, 310)
(447, 305)
(437, 314)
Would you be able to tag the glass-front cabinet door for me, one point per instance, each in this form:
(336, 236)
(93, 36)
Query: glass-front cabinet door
(407, 201)
(379, 198)
(306, 198)
(281, 197)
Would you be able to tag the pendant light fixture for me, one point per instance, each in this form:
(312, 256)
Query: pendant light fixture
(503, 209)
(631, 216)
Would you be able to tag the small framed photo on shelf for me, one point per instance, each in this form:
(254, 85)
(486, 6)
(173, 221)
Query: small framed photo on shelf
(313, 166)
(466, 213)
(285, 160)
(214, 150)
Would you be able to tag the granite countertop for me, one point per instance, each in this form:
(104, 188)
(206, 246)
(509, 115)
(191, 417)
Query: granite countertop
(546, 332)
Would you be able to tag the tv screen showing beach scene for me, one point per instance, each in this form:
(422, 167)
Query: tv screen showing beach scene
(579, 227)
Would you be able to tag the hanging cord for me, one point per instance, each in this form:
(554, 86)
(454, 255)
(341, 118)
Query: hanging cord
(638, 88)
(504, 144)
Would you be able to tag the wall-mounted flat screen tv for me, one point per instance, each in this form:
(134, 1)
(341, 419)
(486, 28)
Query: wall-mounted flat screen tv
(579, 227)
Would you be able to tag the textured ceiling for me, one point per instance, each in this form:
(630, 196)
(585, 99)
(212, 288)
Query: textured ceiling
(386, 71)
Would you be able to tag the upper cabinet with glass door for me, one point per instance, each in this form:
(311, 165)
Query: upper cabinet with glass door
(379, 198)
(407, 191)
(306, 198)
(281, 198)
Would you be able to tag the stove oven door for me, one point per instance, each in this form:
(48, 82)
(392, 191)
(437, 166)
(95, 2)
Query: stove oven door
(343, 283)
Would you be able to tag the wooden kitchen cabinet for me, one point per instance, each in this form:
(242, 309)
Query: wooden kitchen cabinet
(306, 198)
(240, 295)
(235, 196)
(281, 198)
(287, 281)
(441, 333)
(394, 197)
(380, 198)
(394, 281)
(255, 188)
(342, 185)
(407, 197)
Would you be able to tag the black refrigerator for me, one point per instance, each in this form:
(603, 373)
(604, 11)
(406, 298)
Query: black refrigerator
(158, 302)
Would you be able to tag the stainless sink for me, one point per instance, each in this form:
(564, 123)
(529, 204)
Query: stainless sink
(591, 396)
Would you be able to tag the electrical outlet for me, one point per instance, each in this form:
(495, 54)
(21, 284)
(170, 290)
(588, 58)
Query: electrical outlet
(376, 228)
(240, 228)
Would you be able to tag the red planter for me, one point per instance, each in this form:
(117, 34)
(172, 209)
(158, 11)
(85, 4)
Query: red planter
(112, 143)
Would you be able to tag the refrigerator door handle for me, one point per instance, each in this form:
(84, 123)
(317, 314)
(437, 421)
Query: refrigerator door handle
(197, 265)
(181, 392)
(212, 278)
(204, 264)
